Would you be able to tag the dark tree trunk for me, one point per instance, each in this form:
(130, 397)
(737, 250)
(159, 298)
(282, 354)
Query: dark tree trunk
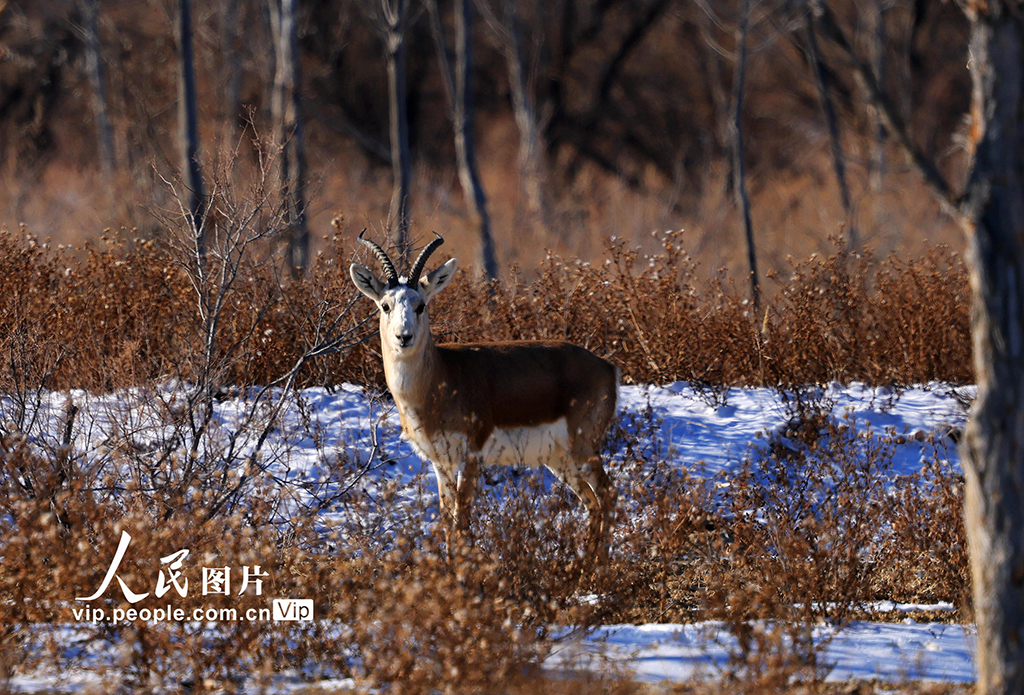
(397, 18)
(286, 107)
(94, 66)
(879, 43)
(509, 33)
(993, 448)
(460, 102)
(739, 160)
(531, 169)
(832, 121)
(232, 72)
(188, 128)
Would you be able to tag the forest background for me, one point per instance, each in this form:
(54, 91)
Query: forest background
(591, 119)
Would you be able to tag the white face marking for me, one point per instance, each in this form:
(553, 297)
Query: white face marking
(403, 319)
(403, 316)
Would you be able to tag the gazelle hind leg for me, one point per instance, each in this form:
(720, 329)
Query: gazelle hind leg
(592, 487)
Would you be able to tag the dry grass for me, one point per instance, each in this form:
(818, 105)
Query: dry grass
(125, 313)
(805, 534)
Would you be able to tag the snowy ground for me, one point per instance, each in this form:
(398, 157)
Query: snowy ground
(698, 429)
(888, 652)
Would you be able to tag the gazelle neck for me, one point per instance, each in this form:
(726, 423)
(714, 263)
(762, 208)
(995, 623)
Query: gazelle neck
(410, 373)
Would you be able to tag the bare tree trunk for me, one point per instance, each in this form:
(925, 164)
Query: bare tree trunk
(739, 166)
(531, 168)
(396, 17)
(832, 120)
(895, 124)
(94, 66)
(879, 43)
(188, 127)
(993, 448)
(460, 103)
(286, 112)
(232, 72)
(509, 33)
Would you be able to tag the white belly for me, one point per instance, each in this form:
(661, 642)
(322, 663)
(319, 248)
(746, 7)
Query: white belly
(530, 446)
(541, 445)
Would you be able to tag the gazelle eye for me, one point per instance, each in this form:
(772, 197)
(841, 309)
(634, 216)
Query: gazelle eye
(420, 308)
(385, 307)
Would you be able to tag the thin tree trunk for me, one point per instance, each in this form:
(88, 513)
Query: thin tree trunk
(286, 107)
(188, 127)
(232, 72)
(993, 448)
(460, 102)
(509, 33)
(531, 168)
(879, 42)
(832, 120)
(397, 19)
(94, 66)
(739, 165)
(895, 124)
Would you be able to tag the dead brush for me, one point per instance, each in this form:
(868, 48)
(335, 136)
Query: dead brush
(60, 534)
(923, 556)
(785, 553)
(121, 314)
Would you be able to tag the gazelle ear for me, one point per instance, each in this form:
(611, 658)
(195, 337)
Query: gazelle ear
(366, 282)
(434, 282)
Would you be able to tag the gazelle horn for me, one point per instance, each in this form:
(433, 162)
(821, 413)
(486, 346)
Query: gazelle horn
(382, 256)
(421, 261)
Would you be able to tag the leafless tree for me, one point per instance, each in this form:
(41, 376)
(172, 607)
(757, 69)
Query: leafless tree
(188, 120)
(231, 69)
(392, 19)
(458, 87)
(991, 212)
(875, 95)
(286, 113)
(877, 43)
(739, 160)
(832, 121)
(506, 28)
(94, 66)
(993, 448)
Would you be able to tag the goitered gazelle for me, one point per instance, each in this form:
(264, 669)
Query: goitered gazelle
(469, 405)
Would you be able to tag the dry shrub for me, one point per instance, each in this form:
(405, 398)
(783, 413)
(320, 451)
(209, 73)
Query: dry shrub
(849, 318)
(781, 555)
(925, 556)
(130, 312)
(809, 530)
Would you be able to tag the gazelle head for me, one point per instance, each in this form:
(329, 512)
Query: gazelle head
(404, 325)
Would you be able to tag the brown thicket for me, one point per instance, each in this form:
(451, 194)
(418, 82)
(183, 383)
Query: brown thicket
(113, 315)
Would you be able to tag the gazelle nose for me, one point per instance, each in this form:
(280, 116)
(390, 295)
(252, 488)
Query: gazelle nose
(404, 339)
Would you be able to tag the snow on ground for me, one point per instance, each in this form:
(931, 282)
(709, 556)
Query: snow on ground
(887, 652)
(717, 429)
(697, 428)
(700, 429)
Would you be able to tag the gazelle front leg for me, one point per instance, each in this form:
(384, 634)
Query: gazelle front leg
(466, 491)
(447, 493)
(456, 488)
